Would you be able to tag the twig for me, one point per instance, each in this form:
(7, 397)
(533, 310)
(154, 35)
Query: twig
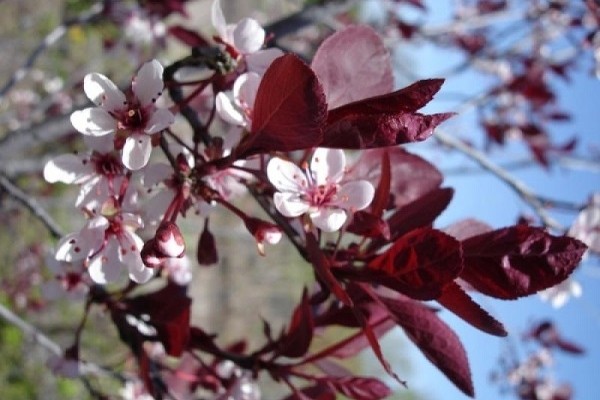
(85, 368)
(30, 331)
(31, 204)
(528, 196)
(47, 42)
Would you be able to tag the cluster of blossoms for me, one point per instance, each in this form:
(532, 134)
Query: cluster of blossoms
(122, 130)
(288, 126)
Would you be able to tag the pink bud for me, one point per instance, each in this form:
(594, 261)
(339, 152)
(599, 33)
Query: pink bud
(169, 240)
(263, 232)
(150, 255)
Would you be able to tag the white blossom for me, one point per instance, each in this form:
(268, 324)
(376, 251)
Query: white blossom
(320, 190)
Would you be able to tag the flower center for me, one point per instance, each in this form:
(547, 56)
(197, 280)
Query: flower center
(107, 164)
(322, 194)
(133, 119)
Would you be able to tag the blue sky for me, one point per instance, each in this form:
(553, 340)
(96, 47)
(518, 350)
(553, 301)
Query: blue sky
(486, 198)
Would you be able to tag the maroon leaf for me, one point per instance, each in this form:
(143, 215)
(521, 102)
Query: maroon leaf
(289, 110)
(360, 388)
(299, 335)
(457, 301)
(518, 261)
(353, 64)
(366, 131)
(411, 176)
(322, 268)
(419, 264)
(379, 321)
(382, 194)
(408, 99)
(434, 338)
(187, 36)
(320, 391)
(384, 120)
(169, 313)
(366, 224)
(419, 213)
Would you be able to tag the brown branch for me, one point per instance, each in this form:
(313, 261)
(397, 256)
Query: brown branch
(31, 204)
(526, 193)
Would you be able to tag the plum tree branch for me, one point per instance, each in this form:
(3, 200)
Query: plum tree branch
(48, 41)
(525, 193)
(31, 204)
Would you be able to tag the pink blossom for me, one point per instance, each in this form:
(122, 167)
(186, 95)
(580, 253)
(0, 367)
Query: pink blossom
(108, 245)
(133, 117)
(99, 172)
(239, 110)
(587, 225)
(318, 190)
(245, 40)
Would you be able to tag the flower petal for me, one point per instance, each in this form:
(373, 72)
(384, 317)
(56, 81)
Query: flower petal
(328, 219)
(248, 36)
(161, 119)
(245, 88)
(286, 176)
(136, 151)
(227, 110)
(260, 60)
(103, 92)
(106, 266)
(355, 195)
(69, 169)
(148, 84)
(93, 121)
(327, 165)
(290, 204)
(218, 19)
(156, 173)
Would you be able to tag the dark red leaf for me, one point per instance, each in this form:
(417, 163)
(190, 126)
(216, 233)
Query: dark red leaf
(169, 313)
(299, 335)
(320, 391)
(322, 268)
(366, 131)
(384, 120)
(434, 338)
(187, 36)
(569, 347)
(378, 319)
(419, 213)
(419, 264)
(457, 301)
(366, 224)
(407, 100)
(382, 194)
(518, 261)
(411, 176)
(360, 388)
(289, 110)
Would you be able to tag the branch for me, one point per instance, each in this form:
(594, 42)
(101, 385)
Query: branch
(46, 43)
(86, 368)
(527, 195)
(31, 204)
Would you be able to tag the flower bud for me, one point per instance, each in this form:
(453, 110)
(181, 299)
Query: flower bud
(263, 231)
(150, 255)
(169, 240)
